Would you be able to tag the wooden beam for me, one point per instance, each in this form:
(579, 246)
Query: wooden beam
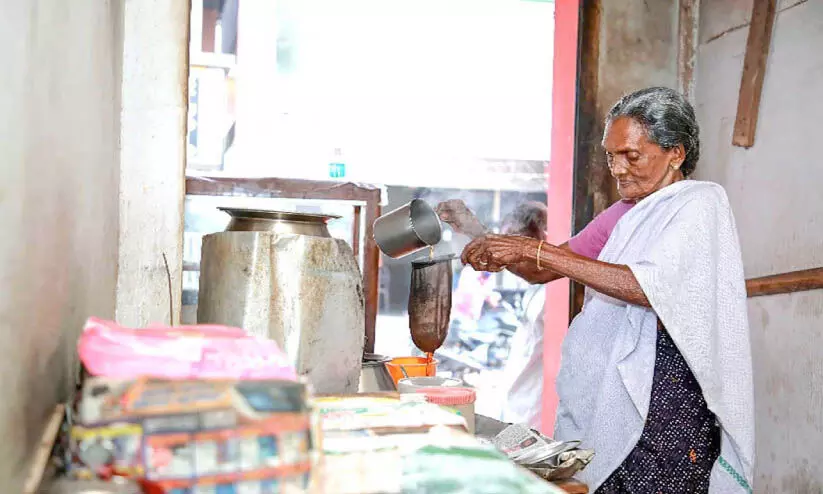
(371, 273)
(210, 18)
(754, 71)
(687, 37)
(591, 177)
(355, 234)
(571, 486)
(280, 187)
(43, 451)
(796, 281)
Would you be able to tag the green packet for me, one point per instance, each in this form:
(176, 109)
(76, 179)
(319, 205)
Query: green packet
(461, 469)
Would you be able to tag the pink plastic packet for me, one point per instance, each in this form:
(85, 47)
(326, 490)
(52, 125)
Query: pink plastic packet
(180, 352)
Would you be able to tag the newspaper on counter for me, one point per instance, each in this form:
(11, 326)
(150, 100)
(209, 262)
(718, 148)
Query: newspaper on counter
(550, 459)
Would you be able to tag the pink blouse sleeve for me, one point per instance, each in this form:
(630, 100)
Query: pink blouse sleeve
(591, 240)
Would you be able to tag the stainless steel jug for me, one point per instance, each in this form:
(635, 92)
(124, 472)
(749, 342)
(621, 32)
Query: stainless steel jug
(408, 229)
(282, 276)
(375, 378)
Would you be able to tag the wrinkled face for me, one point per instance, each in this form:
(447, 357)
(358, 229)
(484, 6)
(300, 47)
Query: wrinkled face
(639, 166)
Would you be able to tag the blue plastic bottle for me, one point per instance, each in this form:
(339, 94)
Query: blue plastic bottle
(337, 168)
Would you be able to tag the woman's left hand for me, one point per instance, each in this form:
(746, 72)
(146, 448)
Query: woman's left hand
(494, 253)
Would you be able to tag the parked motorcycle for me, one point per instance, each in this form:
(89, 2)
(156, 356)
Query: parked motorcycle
(484, 344)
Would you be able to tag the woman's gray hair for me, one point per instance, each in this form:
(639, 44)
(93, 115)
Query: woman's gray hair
(668, 118)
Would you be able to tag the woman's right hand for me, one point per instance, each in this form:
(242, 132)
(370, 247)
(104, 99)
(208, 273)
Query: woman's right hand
(494, 253)
(457, 215)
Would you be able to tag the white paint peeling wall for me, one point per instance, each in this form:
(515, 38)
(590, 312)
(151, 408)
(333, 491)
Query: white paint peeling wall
(638, 48)
(153, 154)
(775, 189)
(59, 172)
(78, 178)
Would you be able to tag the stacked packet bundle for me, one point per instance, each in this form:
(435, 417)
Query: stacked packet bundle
(206, 409)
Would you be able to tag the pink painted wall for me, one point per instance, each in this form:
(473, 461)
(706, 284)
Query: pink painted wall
(560, 174)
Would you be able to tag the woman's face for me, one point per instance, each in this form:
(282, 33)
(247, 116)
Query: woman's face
(639, 166)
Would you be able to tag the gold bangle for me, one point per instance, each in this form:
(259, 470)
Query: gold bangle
(539, 248)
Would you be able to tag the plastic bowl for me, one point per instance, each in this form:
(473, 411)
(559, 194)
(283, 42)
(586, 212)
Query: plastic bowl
(412, 384)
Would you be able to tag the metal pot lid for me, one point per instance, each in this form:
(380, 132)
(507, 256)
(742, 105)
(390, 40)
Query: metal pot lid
(262, 214)
(372, 359)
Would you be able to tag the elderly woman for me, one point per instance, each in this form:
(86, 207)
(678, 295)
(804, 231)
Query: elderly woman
(656, 370)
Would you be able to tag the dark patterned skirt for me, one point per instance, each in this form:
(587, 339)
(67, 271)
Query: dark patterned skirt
(680, 440)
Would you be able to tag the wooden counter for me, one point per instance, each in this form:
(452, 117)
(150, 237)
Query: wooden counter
(572, 486)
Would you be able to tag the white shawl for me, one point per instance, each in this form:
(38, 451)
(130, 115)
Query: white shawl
(682, 246)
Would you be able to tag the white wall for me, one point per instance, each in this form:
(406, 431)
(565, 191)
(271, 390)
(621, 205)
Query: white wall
(59, 170)
(637, 48)
(152, 183)
(775, 191)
